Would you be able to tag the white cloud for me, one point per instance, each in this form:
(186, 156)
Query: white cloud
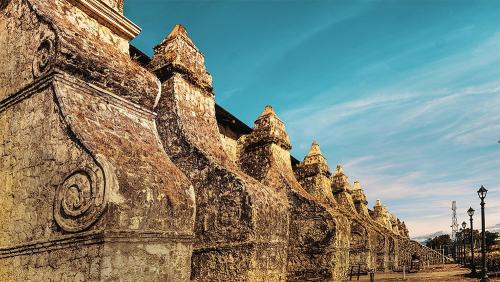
(418, 144)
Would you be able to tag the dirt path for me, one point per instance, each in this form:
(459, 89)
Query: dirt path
(450, 272)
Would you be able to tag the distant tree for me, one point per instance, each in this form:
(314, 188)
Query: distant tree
(439, 241)
(466, 234)
(490, 239)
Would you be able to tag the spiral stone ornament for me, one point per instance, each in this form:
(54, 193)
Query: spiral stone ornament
(43, 57)
(80, 199)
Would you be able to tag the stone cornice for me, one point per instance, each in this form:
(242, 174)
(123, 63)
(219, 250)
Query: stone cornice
(110, 97)
(93, 237)
(109, 17)
(61, 77)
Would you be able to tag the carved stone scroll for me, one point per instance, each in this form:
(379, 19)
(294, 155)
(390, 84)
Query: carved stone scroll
(80, 199)
(44, 57)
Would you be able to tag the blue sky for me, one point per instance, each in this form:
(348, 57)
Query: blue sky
(405, 94)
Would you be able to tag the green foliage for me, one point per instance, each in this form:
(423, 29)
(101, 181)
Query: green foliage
(439, 241)
(490, 239)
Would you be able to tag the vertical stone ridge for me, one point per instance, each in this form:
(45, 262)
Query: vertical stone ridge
(86, 124)
(314, 227)
(342, 189)
(96, 196)
(241, 225)
(381, 215)
(359, 199)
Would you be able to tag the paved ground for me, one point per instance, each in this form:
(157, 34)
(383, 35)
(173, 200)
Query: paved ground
(450, 272)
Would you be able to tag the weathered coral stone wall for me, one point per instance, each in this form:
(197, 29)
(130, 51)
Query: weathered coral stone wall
(241, 225)
(409, 249)
(315, 238)
(87, 191)
(112, 171)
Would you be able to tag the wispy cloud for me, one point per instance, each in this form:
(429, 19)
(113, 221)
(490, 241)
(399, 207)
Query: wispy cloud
(420, 143)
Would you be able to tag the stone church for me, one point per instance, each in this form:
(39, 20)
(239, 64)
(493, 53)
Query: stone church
(119, 167)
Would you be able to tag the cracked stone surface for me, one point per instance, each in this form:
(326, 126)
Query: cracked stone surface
(118, 167)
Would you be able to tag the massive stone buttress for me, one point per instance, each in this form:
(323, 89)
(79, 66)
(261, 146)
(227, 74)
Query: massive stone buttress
(384, 251)
(361, 242)
(241, 225)
(87, 191)
(370, 241)
(359, 200)
(314, 175)
(318, 243)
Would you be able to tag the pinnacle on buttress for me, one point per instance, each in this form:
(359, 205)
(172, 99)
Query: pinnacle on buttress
(177, 54)
(315, 156)
(315, 149)
(268, 128)
(340, 181)
(356, 186)
(178, 31)
(268, 110)
(339, 170)
(357, 194)
(378, 203)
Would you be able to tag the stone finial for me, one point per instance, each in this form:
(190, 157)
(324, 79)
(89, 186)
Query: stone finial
(179, 31)
(404, 230)
(268, 128)
(340, 181)
(357, 194)
(394, 223)
(359, 199)
(178, 54)
(314, 155)
(378, 203)
(268, 110)
(314, 175)
(339, 170)
(356, 186)
(315, 149)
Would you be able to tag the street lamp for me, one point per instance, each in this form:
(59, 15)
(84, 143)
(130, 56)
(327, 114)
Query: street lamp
(464, 225)
(460, 250)
(482, 194)
(470, 212)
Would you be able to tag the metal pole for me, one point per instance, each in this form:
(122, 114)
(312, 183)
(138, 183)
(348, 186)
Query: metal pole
(459, 253)
(483, 245)
(465, 248)
(473, 264)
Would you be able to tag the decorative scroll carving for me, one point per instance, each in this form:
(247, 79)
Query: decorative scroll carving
(80, 199)
(44, 57)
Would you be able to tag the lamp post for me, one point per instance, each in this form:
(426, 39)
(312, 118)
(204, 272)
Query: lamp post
(464, 225)
(470, 212)
(460, 251)
(482, 194)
